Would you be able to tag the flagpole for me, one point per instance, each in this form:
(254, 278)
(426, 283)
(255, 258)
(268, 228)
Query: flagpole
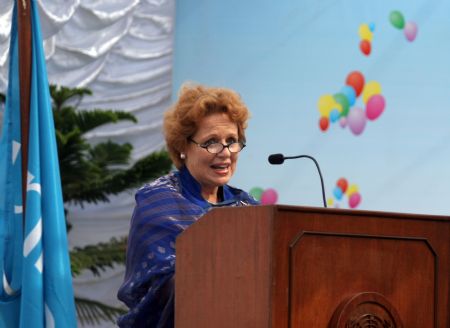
(24, 32)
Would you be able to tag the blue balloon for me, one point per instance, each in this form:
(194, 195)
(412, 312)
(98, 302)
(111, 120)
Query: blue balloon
(372, 27)
(334, 115)
(337, 192)
(350, 93)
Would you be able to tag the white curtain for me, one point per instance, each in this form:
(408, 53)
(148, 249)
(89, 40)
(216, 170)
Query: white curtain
(122, 51)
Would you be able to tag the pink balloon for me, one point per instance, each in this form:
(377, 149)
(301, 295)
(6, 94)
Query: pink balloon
(410, 31)
(354, 200)
(375, 106)
(356, 120)
(269, 196)
(343, 122)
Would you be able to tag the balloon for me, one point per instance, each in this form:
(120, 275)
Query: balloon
(337, 192)
(326, 104)
(351, 190)
(396, 19)
(324, 123)
(343, 122)
(371, 88)
(365, 33)
(343, 184)
(269, 196)
(410, 31)
(343, 101)
(372, 27)
(365, 47)
(334, 115)
(354, 200)
(356, 120)
(350, 93)
(330, 201)
(356, 80)
(256, 192)
(375, 107)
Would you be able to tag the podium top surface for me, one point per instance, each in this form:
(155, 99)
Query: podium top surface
(348, 212)
(419, 216)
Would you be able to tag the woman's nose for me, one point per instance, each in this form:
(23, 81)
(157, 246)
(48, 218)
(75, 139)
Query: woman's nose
(225, 151)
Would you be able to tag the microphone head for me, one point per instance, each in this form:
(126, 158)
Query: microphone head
(276, 159)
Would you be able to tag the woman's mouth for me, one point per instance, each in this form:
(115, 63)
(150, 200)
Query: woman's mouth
(221, 168)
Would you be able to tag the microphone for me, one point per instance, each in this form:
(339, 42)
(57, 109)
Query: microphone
(277, 159)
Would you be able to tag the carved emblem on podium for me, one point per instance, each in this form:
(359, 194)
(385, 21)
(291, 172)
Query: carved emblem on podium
(366, 310)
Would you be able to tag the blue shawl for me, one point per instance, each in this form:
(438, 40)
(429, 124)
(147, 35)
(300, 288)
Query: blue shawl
(164, 209)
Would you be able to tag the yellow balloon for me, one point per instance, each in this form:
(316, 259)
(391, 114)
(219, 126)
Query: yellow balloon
(325, 105)
(371, 88)
(330, 201)
(365, 33)
(351, 189)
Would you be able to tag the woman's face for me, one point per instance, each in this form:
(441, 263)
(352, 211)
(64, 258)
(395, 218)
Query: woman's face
(212, 170)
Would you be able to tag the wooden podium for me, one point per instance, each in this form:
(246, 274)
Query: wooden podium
(286, 266)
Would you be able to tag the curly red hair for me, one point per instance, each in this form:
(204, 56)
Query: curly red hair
(194, 103)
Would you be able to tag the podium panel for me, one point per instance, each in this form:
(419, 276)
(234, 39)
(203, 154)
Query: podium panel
(286, 266)
(328, 269)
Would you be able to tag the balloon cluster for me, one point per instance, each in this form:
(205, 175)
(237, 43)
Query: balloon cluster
(333, 108)
(398, 21)
(365, 33)
(267, 196)
(342, 189)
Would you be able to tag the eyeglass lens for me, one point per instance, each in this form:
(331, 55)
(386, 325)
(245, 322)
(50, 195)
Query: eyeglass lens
(217, 147)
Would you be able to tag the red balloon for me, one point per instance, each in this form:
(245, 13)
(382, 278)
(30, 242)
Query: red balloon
(324, 123)
(365, 47)
(343, 184)
(356, 81)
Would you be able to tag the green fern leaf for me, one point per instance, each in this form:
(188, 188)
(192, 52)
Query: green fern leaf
(97, 258)
(92, 312)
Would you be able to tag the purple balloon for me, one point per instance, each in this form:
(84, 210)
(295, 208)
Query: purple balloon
(375, 106)
(356, 120)
(410, 31)
(343, 122)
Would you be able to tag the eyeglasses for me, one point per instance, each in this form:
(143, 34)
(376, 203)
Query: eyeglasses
(217, 147)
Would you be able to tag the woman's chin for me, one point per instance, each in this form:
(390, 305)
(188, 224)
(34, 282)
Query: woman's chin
(223, 180)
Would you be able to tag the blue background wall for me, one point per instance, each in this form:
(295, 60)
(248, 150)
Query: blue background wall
(282, 56)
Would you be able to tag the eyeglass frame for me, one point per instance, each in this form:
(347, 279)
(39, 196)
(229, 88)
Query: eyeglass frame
(223, 146)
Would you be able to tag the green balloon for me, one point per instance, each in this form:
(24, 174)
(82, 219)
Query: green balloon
(397, 20)
(343, 101)
(256, 192)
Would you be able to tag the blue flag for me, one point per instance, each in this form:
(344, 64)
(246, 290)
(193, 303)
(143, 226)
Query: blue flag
(36, 283)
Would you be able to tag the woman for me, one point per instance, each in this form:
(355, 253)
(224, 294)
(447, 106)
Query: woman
(204, 133)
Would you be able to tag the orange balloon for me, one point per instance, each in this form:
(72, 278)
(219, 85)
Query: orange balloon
(324, 123)
(365, 47)
(343, 184)
(356, 80)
